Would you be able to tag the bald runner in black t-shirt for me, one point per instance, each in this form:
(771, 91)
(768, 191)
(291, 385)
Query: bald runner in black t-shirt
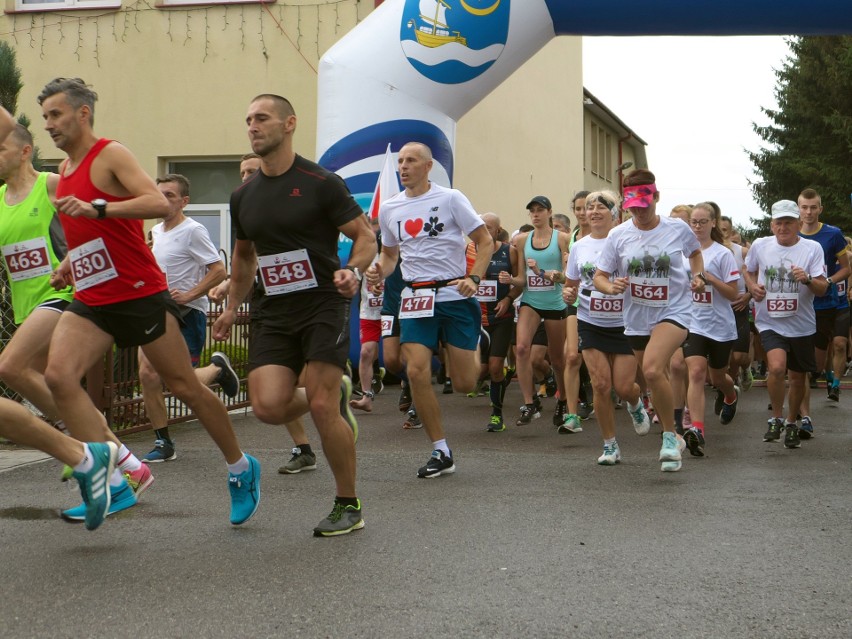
(287, 219)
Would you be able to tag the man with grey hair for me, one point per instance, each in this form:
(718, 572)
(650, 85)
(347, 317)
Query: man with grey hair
(121, 296)
(784, 273)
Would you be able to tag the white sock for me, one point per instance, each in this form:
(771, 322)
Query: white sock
(634, 407)
(127, 461)
(441, 445)
(88, 461)
(239, 467)
(116, 478)
(609, 442)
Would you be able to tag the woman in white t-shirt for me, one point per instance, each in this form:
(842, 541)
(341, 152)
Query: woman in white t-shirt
(647, 251)
(713, 329)
(600, 328)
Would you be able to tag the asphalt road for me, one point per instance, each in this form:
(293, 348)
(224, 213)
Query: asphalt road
(530, 538)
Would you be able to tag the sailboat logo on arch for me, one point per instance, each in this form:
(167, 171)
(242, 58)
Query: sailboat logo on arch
(453, 41)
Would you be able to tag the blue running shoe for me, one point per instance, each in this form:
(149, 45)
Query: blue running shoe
(121, 498)
(94, 485)
(245, 492)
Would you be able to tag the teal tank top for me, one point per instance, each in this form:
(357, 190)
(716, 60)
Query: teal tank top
(539, 293)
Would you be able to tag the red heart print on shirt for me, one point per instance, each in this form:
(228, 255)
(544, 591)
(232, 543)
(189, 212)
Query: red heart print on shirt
(413, 227)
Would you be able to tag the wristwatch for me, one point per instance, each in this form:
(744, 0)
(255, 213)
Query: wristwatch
(700, 276)
(358, 275)
(475, 279)
(809, 280)
(100, 205)
(829, 280)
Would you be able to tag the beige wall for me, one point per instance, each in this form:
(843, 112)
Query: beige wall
(526, 137)
(176, 83)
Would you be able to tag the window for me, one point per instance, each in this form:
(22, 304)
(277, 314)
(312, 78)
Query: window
(211, 183)
(601, 152)
(47, 5)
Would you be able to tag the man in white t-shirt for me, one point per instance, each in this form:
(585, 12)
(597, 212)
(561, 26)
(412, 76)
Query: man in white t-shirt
(192, 267)
(426, 225)
(784, 273)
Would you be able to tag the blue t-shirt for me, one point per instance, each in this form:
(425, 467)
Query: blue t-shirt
(833, 245)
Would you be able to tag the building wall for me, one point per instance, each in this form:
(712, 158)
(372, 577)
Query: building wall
(526, 137)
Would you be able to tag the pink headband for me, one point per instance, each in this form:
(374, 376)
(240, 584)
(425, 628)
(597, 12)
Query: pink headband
(639, 196)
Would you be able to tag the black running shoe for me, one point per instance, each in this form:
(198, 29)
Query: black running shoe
(791, 436)
(528, 413)
(834, 393)
(448, 387)
(559, 413)
(774, 432)
(694, 442)
(729, 410)
(341, 521)
(405, 398)
(227, 377)
(720, 400)
(550, 385)
(438, 464)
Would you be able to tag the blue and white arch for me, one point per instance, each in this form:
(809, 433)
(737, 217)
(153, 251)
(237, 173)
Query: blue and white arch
(413, 68)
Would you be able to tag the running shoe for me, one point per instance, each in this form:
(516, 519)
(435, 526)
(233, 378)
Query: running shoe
(718, 402)
(298, 462)
(341, 521)
(560, 413)
(345, 411)
(441, 375)
(728, 411)
(404, 398)
(448, 387)
(139, 479)
(227, 377)
(791, 436)
(120, 498)
(611, 455)
(164, 450)
(245, 492)
(550, 386)
(496, 424)
(94, 484)
(774, 433)
(528, 413)
(694, 439)
(670, 453)
(67, 473)
(378, 381)
(641, 421)
(806, 430)
(570, 425)
(412, 421)
(746, 378)
(585, 410)
(438, 464)
(834, 393)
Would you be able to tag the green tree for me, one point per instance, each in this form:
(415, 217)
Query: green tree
(809, 142)
(10, 88)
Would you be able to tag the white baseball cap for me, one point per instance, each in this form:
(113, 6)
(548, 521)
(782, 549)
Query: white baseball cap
(785, 208)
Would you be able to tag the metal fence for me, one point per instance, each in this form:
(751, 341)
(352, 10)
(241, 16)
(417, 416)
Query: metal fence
(117, 391)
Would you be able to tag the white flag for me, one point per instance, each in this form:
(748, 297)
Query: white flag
(387, 186)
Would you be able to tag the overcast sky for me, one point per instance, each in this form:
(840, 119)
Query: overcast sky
(693, 100)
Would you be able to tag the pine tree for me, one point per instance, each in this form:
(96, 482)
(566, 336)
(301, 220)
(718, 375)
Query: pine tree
(809, 142)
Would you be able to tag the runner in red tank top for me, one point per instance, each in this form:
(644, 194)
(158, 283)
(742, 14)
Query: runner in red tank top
(121, 295)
